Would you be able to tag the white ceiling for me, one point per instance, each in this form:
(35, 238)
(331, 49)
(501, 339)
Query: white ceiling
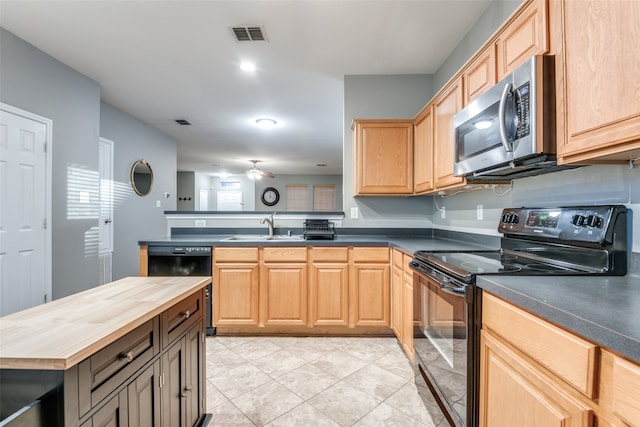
(164, 60)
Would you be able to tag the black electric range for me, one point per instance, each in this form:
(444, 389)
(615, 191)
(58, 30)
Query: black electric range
(583, 240)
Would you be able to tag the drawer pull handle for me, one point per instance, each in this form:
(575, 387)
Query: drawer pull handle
(186, 314)
(186, 392)
(128, 356)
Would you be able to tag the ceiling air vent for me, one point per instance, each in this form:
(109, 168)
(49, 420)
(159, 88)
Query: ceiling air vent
(244, 33)
(183, 122)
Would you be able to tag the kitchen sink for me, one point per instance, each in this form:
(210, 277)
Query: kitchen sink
(261, 238)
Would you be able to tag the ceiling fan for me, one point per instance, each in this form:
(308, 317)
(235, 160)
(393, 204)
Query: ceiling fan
(255, 173)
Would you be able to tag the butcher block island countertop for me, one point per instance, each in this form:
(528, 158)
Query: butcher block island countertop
(62, 333)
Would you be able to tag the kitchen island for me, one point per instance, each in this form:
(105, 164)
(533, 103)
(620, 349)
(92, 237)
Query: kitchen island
(131, 351)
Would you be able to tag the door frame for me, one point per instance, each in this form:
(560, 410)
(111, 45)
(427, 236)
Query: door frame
(48, 186)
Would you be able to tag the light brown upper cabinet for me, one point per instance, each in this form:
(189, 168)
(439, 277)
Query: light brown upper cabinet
(598, 80)
(423, 151)
(480, 75)
(383, 157)
(525, 36)
(445, 105)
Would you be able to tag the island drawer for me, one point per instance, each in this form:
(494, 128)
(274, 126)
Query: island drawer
(178, 318)
(107, 369)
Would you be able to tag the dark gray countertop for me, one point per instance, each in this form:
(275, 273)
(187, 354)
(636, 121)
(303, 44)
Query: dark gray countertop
(605, 310)
(406, 244)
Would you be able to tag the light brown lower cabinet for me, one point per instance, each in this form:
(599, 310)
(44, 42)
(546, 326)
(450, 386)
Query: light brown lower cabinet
(328, 286)
(282, 289)
(236, 286)
(369, 283)
(406, 337)
(515, 393)
(534, 373)
(402, 300)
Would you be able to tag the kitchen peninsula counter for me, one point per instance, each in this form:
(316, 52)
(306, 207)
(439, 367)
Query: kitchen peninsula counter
(62, 333)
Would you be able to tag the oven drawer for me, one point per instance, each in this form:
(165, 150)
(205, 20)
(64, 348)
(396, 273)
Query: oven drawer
(178, 318)
(563, 353)
(104, 371)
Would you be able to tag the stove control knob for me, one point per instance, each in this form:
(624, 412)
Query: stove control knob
(514, 220)
(579, 220)
(595, 221)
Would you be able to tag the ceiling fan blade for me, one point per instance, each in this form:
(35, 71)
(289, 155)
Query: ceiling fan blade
(267, 174)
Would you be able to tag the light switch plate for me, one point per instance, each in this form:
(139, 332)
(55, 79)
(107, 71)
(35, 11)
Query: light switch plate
(354, 213)
(479, 212)
(443, 213)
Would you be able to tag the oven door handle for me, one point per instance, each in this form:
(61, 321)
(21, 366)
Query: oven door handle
(445, 284)
(456, 291)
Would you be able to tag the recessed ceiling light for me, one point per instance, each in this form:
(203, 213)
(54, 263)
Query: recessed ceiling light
(266, 123)
(248, 66)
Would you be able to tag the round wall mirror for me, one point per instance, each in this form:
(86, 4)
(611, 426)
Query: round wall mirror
(141, 177)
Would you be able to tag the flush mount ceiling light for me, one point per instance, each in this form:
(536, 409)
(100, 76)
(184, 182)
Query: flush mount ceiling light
(266, 123)
(248, 67)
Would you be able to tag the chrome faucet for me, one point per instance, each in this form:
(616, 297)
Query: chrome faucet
(269, 221)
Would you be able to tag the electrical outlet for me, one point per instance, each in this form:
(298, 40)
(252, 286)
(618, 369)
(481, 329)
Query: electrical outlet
(443, 213)
(158, 204)
(479, 212)
(201, 223)
(354, 213)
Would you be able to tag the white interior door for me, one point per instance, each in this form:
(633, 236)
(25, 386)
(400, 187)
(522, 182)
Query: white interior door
(106, 196)
(230, 200)
(25, 241)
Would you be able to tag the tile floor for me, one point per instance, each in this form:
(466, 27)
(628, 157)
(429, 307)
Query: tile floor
(312, 381)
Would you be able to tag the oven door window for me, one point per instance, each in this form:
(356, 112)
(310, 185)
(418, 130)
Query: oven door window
(444, 323)
(442, 342)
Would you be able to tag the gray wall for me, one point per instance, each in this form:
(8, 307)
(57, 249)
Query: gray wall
(487, 24)
(135, 217)
(389, 96)
(38, 83)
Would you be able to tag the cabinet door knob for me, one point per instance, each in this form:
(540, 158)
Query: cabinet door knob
(186, 314)
(128, 356)
(107, 220)
(186, 392)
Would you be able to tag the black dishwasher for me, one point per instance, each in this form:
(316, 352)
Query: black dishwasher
(183, 261)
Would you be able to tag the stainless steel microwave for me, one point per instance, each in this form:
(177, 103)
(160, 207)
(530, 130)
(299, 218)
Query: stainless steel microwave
(509, 131)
